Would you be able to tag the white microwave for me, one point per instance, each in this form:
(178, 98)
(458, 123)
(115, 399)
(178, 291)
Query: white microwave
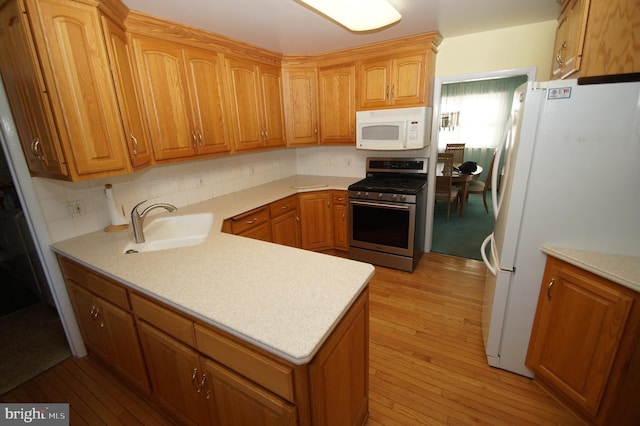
(393, 129)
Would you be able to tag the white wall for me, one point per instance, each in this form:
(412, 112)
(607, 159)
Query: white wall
(507, 48)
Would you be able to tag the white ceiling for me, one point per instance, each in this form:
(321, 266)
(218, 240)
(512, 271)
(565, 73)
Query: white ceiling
(286, 26)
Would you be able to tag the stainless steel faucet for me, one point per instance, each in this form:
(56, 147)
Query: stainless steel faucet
(137, 219)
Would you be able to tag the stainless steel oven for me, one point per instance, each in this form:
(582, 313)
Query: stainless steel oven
(387, 213)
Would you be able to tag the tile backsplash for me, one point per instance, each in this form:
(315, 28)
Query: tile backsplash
(71, 209)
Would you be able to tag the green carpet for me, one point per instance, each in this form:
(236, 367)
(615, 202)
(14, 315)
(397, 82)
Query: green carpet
(462, 236)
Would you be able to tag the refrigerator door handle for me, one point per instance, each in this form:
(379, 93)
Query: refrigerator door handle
(490, 267)
(496, 166)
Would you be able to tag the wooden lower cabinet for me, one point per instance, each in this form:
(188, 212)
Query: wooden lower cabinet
(584, 340)
(234, 400)
(316, 220)
(175, 374)
(285, 221)
(202, 375)
(340, 220)
(109, 332)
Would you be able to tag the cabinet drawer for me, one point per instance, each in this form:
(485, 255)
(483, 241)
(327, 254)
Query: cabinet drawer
(250, 219)
(108, 290)
(283, 206)
(166, 320)
(339, 197)
(103, 287)
(267, 373)
(74, 272)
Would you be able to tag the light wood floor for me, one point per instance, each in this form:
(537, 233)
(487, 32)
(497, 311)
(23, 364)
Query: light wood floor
(426, 357)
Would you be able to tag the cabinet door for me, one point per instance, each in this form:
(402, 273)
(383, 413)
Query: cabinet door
(340, 220)
(164, 86)
(337, 95)
(408, 84)
(577, 332)
(206, 95)
(375, 84)
(87, 316)
(76, 66)
(176, 376)
(301, 88)
(316, 220)
(244, 99)
(569, 42)
(27, 95)
(123, 348)
(285, 229)
(237, 401)
(272, 106)
(128, 93)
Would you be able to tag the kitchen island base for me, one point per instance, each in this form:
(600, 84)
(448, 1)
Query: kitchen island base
(200, 374)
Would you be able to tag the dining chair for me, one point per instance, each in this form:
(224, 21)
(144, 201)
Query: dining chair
(479, 187)
(457, 149)
(445, 191)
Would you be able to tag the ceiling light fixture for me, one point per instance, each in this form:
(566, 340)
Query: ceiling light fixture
(357, 15)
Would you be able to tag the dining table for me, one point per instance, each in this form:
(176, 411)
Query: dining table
(460, 179)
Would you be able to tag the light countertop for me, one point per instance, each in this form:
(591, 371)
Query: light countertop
(624, 270)
(282, 299)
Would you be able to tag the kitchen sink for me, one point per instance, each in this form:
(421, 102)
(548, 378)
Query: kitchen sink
(173, 232)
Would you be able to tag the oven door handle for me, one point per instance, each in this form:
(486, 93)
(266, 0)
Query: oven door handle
(390, 206)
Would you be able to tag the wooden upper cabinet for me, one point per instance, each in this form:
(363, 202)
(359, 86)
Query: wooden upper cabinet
(272, 105)
(398, 81)
(611, 40)
(129, 96)
(337, 97)
(164, 87)
(301, 106)
(255, 98)
(244, 99)
(570, 33)
(27, 94)
(72, 49)
(206, 92)
(183, 95)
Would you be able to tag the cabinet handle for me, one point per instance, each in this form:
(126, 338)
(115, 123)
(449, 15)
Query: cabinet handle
(344, 217)
(315, 130)
(393, 91)
(203, 385)
(549, 286)
(386, 93)
(194, 380)
(35, 149)
(559, 59)
(135, 143)
(193, 137)
(284, 207)
(252, 221)
(201, 138)
(92, 312)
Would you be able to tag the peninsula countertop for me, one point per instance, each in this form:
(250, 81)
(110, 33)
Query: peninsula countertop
(282, 299)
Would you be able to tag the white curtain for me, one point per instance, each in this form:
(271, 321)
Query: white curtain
(483, 108)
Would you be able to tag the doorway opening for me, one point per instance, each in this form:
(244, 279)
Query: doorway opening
(471, 110)
(32, 335)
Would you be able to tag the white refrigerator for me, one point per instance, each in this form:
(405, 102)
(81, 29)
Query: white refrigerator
(569, 177)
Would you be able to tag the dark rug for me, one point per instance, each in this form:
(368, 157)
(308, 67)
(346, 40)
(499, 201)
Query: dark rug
(462, 236)
(31, 341)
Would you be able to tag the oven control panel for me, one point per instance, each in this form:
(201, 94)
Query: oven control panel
(382, 196)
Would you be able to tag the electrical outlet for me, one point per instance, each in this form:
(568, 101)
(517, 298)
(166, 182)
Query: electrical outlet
(74, 208)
